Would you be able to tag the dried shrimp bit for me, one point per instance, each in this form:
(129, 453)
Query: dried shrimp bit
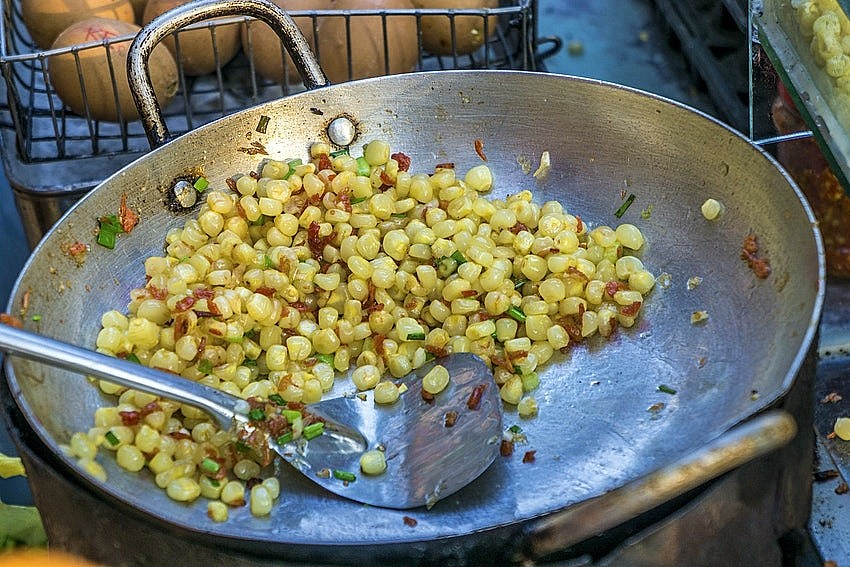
(310, 265)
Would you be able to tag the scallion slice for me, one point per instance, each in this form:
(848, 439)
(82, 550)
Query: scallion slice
(285, 438)
(201, 184)
(515, 312)
(416, 336)
(278, 399)
(256, 414)
(625, 206)
(313, 430)
(342, 152)
(458, 257)
(133, 358)
(111, 438)
(205, 366)
(357, 200)
(344, 475)
(326, 358)
(210, 466)
(363, 167)
(666, 389)
(290, 415)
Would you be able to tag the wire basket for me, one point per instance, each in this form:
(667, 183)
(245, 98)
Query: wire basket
(46, 130)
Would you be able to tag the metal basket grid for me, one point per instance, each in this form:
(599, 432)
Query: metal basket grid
(47, 131)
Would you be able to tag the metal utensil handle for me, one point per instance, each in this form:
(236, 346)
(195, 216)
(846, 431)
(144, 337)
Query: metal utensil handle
(140, 50)
(736, 447)
(220, 405)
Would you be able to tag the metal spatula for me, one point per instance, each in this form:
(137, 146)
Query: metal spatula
(433, 447)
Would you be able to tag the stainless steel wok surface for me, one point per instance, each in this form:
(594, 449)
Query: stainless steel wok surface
(596, 430)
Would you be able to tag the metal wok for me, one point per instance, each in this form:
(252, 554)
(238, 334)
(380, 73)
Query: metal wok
(605, 433)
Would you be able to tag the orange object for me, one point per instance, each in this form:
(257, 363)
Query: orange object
(39, 557)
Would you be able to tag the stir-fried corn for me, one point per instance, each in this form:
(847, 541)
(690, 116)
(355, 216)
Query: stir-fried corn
(304, 269)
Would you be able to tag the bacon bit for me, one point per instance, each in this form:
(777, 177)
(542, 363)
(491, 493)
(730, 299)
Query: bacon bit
(130, 418)
(25, 301)
(630, 310)
(831, 398)
(443, 204)
(128, 218)
(158, 293)
(572, 325)
(410, 522)
(518, 227)
(252, 482)
(11, 320)
(201, 313)
(479, 149)
(451, 418)
(323, 162)
(831, 435)
(203, 293)
(517, 355)
(300, 306)
(579, 224)
(439, 352)
(344, 201)
(386, 179)
(267, 291)
(255, 174)
(842, 488)
(403, 161)
(231, 183)
(150, 408)
(240, 210)
(180, 434)
(379, 344)
(315, 242)
(502, 363)
(427, 396)
(750, 253)
(314, 199)
(77, 249)
(613, 287)
(821, 476)
(184, 304)
(468, 293)
(474, 400)
(529, 456)
(446, 165)
(506, 448)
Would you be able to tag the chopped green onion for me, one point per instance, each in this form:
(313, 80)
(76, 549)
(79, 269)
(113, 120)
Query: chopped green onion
(110, 226)
(399, 215)
(516, 313)
(113, 440)
(647, 212)
(666, 389)
(278, 399)
(518, 283)
(242, 447)
(625, 206)
(210, 466)
(429, 356)
(256, 414)
(416, 336)
(342, 152)
(260, 220)
(530, 381)
(313, 430)
(133, 358)
(357, 200)
(326, 358)
(344, 475)
(201, 184)
(458, 257)
(214, 483)
(293, 163)
(205, 366)
(290, 415)
(284, 439)
(36, 318)
(515, 429)
(267, 262)
(249, 362)
(262, 125)
(363, 167)
(517, 370)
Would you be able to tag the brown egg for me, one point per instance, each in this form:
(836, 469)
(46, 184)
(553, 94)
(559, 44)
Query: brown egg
(45, 19)
(264, 48)
(469, 30)
(197, 49)
(94, 76)
(367, 56)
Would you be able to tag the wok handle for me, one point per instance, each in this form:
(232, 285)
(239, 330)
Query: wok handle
(196, 11)
(734, 448)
